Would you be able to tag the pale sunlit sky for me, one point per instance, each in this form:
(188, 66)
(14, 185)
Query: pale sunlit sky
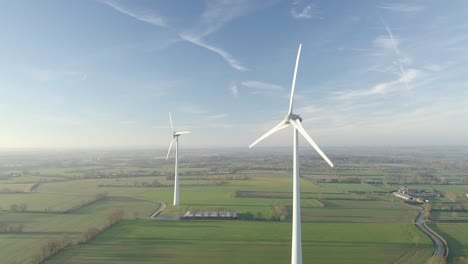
(106, 73)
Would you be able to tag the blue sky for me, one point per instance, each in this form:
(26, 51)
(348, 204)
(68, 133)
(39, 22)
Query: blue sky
(106, 73)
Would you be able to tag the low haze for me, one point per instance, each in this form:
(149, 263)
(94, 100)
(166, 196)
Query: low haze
(106, 73)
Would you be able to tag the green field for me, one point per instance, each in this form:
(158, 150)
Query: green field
(15, 187)
(147, 241)
(38, 228)
(343, 222)
(456, 235)
(43, 202)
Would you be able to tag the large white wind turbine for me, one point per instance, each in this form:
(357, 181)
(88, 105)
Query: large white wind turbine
(175, 137)
(295, 120)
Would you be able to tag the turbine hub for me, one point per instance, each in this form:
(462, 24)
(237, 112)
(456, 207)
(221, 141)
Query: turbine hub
(293, 117)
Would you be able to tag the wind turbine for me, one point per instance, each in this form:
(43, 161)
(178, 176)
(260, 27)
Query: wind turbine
(295, 121)
(175, 137)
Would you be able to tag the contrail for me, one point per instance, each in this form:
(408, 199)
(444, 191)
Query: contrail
(397, 52)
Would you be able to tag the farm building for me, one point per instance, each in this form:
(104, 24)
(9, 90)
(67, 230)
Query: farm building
(403, 196)
(210, 215)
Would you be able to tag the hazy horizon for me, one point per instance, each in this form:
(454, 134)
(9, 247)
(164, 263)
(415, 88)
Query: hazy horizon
(304, 148)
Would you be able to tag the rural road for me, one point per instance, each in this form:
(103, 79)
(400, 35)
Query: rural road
(160, 209)
(440, 246)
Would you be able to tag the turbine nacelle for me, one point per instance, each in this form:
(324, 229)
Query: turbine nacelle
(175, 135)
(292, 117)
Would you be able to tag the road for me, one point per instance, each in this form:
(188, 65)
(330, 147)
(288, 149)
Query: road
(160, 209)
(440, 246)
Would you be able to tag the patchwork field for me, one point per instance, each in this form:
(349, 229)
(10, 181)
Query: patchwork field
(39, 228)
(349, 214)
(456, 235)
(145, 241)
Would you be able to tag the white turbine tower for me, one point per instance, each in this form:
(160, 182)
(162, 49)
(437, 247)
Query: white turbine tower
(295, 120)
(175, 137)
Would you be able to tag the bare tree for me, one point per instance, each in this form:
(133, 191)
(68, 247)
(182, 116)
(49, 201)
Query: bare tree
(437, 260)
(451, 197)
(115, 216)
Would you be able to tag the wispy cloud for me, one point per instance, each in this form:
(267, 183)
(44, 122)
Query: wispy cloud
(234, 90)
(304, 9)
(216, 14)
(401, 7)
(434, 67)
(394, 45)
(142, 15)
(410, 76)
(188, 109)
(218, 116)
(308, 109)
(226, 56)
(261, 86)
(385, 42)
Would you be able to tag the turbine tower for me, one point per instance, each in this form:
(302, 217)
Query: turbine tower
(175, 137)
(295, 121)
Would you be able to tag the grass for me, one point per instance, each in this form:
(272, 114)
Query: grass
(89, 187)
(449, 216)
(19, 247)
(352, 187)
(18, 187)
(146, 241)
(456, 235)
(359, 212)
(444, 189)
(342, 223)
(43, 202)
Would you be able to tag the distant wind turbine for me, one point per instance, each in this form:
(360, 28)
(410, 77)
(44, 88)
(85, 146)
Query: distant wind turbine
(295, 120)
(175, 137)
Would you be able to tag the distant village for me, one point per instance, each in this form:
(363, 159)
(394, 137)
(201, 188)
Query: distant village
(416, 195)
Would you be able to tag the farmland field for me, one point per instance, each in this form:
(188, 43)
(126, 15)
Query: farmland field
(145, 241)
(347, 213)
(456, 235)
(39, 227)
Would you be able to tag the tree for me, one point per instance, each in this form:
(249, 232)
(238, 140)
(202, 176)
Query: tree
(280, 211)
(437, 260)
(461, 260)
(136, 214)
(22, 207)
(115, 216)
(156, 183)
(14, 207)
(259, 215)
(451, 197)
(427, 210)
(416, 240)
(36, 258)
(89, 234)
(441, 180)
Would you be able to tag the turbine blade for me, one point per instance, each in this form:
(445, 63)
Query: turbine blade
(170, 119)
(182, 132)
(170, 146)
(294, 80)
(304, 133)
(278, 127)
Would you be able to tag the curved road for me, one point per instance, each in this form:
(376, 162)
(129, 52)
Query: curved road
(160, 209)
(440, 246)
